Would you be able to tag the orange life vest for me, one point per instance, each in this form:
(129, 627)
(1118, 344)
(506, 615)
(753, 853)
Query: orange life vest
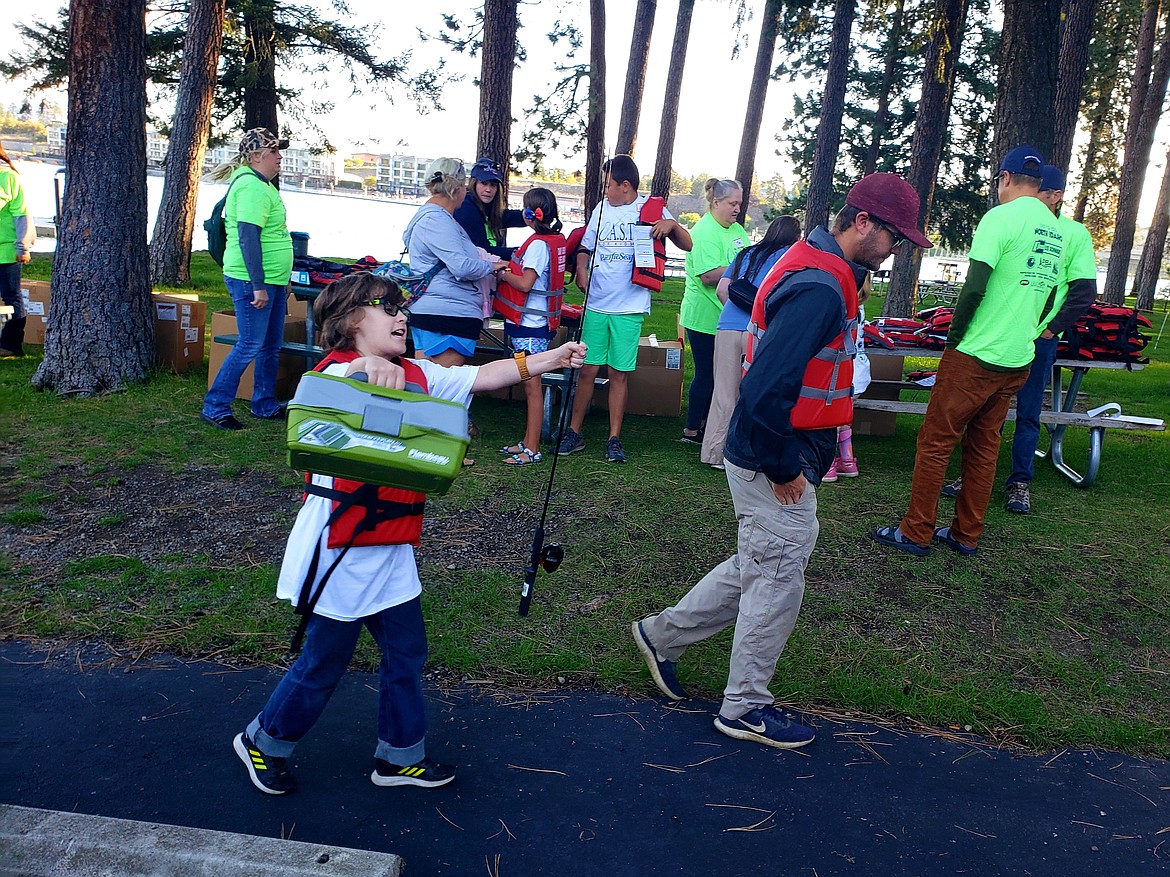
(375, 515)
(651, 278)
(512, 304)
(826, 389)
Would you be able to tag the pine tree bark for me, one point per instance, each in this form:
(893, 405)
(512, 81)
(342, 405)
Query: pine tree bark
(1025, 99)
(820, 184)
(100, 335)
(1148, 92)
(894, 50)
(660, 184)
(1075, 34)
(635, 77)
(1145, 282)
(260, 100)
(170, 245)
(745, 165)
(934, 110)
(497, 65)
(1097, 125)
(595, 129)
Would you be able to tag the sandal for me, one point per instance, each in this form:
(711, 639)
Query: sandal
(512, 450)
(518, 459)
(894, 538)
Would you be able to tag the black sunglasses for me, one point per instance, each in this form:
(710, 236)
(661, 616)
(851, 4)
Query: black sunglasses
(895, 235)
(391, 307)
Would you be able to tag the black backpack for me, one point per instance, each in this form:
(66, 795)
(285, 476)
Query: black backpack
(216, 227)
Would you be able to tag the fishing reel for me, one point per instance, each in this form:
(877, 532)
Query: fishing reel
(552, 556)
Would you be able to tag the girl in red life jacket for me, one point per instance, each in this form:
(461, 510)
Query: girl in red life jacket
(371, 578)
(528, 297)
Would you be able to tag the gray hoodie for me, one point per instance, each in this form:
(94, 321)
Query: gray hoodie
(434, 236)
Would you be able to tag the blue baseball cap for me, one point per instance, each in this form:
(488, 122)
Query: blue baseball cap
(1051, 179)
(1023, 160)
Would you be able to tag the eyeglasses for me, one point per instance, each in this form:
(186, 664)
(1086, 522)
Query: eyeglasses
(391, 307)
(896, 236)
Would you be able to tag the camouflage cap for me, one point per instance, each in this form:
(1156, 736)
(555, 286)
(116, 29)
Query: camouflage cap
(260, 138)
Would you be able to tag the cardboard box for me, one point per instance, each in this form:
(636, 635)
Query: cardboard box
(36, 305)
(179, 330)
(656, 384)
(289, 369)
(296, 308)
(866, 422)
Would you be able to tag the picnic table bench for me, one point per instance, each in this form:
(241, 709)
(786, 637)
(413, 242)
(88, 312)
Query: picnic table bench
(1057, 418)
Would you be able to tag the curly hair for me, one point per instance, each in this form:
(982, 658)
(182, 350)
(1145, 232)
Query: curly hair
(338, 310)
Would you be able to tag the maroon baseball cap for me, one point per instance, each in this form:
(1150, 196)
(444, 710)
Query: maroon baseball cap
(891, 199)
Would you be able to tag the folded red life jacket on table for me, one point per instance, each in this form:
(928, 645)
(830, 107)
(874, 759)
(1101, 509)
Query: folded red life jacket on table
(1106, 333)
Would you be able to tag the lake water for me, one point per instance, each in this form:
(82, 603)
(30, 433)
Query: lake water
(340, 226)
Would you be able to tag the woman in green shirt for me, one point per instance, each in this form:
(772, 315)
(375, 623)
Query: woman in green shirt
(257, 267)
(717, 238)
(17, 234)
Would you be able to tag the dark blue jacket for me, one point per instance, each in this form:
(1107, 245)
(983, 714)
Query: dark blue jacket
(468, 216)
(803, 313)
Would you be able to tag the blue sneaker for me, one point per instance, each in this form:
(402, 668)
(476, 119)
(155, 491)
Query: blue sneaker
(571, 443)
(662, 672)
(769, 726)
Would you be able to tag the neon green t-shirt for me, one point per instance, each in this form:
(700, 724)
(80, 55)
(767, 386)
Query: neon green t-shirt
(11, 206)
(713, 246)
(1024, 245)
(1079, 263)
(253, 200)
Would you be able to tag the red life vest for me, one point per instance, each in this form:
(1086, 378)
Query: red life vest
(512, 304)
(378, 516)
(826, 392)
(651, 278)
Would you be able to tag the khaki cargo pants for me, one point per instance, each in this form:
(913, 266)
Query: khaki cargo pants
(758, 589)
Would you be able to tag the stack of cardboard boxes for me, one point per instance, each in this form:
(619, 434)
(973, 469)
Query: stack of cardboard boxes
(179, 322)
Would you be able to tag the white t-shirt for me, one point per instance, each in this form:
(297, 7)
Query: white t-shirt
(537, 258)
(611, 285)
(370, 578)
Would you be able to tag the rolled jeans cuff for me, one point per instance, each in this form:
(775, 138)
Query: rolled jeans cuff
(402, 757)
(268, 744)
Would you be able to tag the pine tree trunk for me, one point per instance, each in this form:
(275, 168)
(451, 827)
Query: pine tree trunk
(820, 184)
(1076, 33)
(170, 246)
(1025, 96)
(1150, 266)
(595, 129)
(660, 185)
(636, 76)
(260, 101)
(1139, 138)
(100, 334)
(894, 51)
(1097, 125)
(930, 127)
(498, 63)
(745, 165)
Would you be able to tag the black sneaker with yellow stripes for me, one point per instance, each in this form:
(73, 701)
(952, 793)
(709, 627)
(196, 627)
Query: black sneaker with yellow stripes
(270, 775)
(425, 773)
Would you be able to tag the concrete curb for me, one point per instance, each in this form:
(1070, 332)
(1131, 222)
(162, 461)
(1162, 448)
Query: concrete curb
(49, 843)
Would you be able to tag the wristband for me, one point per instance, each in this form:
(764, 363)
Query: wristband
(520, 357)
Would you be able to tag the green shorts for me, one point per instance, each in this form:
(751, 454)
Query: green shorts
(612, 339)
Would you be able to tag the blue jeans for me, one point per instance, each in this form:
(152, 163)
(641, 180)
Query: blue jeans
(261, 334)
(703, 383)
(1029, 404)
(300, 697)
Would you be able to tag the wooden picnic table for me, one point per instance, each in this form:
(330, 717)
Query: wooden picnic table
(1057, 418)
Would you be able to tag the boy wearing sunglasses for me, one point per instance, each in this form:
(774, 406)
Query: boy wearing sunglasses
(367, 553)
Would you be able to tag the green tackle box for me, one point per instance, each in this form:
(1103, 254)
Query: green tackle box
(351, 429)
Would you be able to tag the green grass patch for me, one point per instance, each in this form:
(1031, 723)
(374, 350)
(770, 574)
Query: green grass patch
(1056, 635)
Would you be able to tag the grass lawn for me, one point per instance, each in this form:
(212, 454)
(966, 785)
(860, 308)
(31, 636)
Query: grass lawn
(1058, 634)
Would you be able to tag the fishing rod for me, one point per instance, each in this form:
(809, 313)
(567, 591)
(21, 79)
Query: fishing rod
(551, 556)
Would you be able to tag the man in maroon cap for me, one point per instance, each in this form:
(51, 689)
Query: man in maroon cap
(1013, 269)
(796, 391)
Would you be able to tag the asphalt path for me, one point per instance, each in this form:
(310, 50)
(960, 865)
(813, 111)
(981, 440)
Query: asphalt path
(571, 782)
